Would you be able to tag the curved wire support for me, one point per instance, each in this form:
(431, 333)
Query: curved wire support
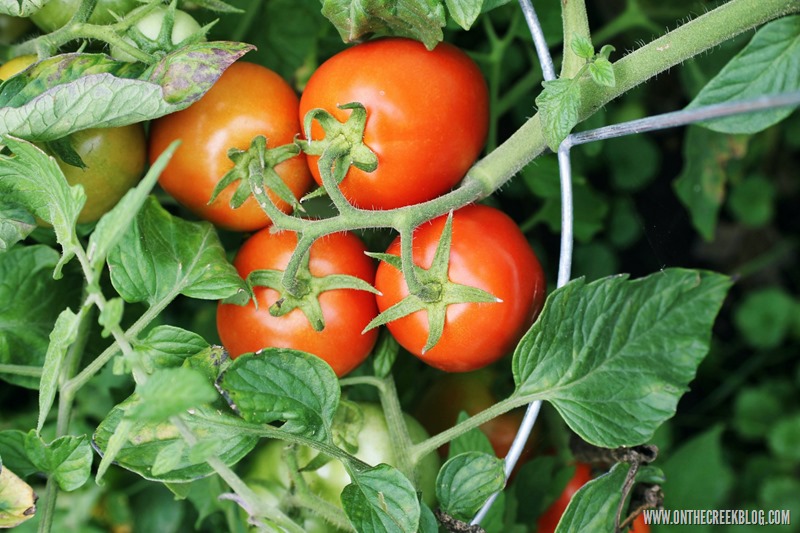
(657, 122)
(565, 261)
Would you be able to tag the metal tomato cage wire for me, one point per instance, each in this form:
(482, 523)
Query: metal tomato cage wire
(656, 122)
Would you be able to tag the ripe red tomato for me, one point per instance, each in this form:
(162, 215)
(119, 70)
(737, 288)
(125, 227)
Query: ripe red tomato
(488, 251)
(427, 117)
(346, 311)
(549, 519)
(248, 100)
(639, 525)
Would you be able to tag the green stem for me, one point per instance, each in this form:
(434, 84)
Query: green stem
(576, 24)
(22, 370)
(249, 498)
(304, 497)
(70, 366)
(420, 450)
(694, 37)
(78, 28)
(48, 510)
(395, 422)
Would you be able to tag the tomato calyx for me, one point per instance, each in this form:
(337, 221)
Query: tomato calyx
(433, 291)
(341, 147)
(307, 290)
(254, 169)
(163, 42)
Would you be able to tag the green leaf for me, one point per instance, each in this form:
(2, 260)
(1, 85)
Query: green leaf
(168, 347)
(602, 72)
(169, 392)
(381, 499)
(386, 351)
(764, 317)
(16, 223)
(752, 201)
(162, 256)
(634, 161)
(20, 8)
(697, 476)
(590, 208)
(466, 481)
(594, 506)
(169, 458)
(12, 452)
(50, 99)
(558, 107)
(755, 412)
(767, 65)
(422, 20)
(63, 335)
(30, 302)
(17, 499)
(464, 12)
(34, 180)
(614, 356)
(68, 459)
(144, 441)
(113, 225)
(275, 384)
(701, 185)
(783, 438)
(582, 47)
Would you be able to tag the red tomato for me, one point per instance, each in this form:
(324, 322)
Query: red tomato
(549, 520)
(248, 100)
(346, 311)
(639, 525)
(427, 117)
(490, 252)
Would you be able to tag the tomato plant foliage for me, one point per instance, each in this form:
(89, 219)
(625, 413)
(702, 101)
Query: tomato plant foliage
(148, 356)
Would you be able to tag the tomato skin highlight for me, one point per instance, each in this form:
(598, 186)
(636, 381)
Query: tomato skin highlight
(427, 121)
(248, 100)
(245, 329)
(488, 251)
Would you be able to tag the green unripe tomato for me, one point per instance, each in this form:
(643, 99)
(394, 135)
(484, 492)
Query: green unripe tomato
(269, 470)
(150, 26)
(56, 13)
(115, 159)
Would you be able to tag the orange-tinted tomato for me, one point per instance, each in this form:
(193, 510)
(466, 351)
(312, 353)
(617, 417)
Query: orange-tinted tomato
(248, 100)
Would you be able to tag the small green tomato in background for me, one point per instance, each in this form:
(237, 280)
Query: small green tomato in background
(56, 13)
(146, 34)
(269, 471)
(115, 160)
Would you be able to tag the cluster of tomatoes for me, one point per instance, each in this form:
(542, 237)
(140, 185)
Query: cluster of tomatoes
(427, 118)
(426, 123)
